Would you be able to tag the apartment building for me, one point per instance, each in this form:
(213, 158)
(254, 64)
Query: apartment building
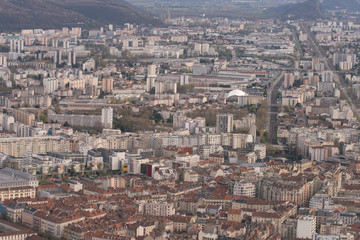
(306, 227)
(17, 147)
(16, 192)
(243, 188)
(159, 208)
(24, 117)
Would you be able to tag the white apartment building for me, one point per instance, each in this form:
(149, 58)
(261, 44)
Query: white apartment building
(260, 150)
(50, 84)
(150, 78)
(191, 159)
(242, 188)
(326, 237)
(306, 227)
(192, 124)
(179, 38)
(116, 159)
(135, 165)
(3, 61)
(107, 117)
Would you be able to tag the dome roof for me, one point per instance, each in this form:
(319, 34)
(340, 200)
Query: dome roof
(236, 93)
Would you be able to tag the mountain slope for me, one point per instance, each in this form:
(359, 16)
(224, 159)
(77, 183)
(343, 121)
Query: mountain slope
(341, 4)
(308, 10)
(20, 14)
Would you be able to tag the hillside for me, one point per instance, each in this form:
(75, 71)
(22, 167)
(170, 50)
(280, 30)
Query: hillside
(20, 14)
(343, 4)
(308, 10)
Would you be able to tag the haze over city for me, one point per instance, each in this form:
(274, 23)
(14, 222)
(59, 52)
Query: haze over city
(168, 119)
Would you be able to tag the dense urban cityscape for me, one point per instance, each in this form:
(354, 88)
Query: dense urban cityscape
(203, 128)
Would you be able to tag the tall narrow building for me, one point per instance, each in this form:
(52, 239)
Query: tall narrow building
(107, 117)
(150, 77)
(107, 84)
(69, 59)
(224, 123)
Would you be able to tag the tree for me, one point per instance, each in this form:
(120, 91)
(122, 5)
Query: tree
(251, 108)
(261, 115)
(244, 130)
(239, 52)
(126, 54)
(275, 140)
(156, 116)
(185, 88)
(264, 137)
(43, 117)
(287, 108)
(225, 54)
(98, 127)
(27, 105)
(185, 70)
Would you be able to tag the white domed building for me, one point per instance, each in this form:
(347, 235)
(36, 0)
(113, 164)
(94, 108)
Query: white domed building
(242, 98)
(237, 93)
(237, 96)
